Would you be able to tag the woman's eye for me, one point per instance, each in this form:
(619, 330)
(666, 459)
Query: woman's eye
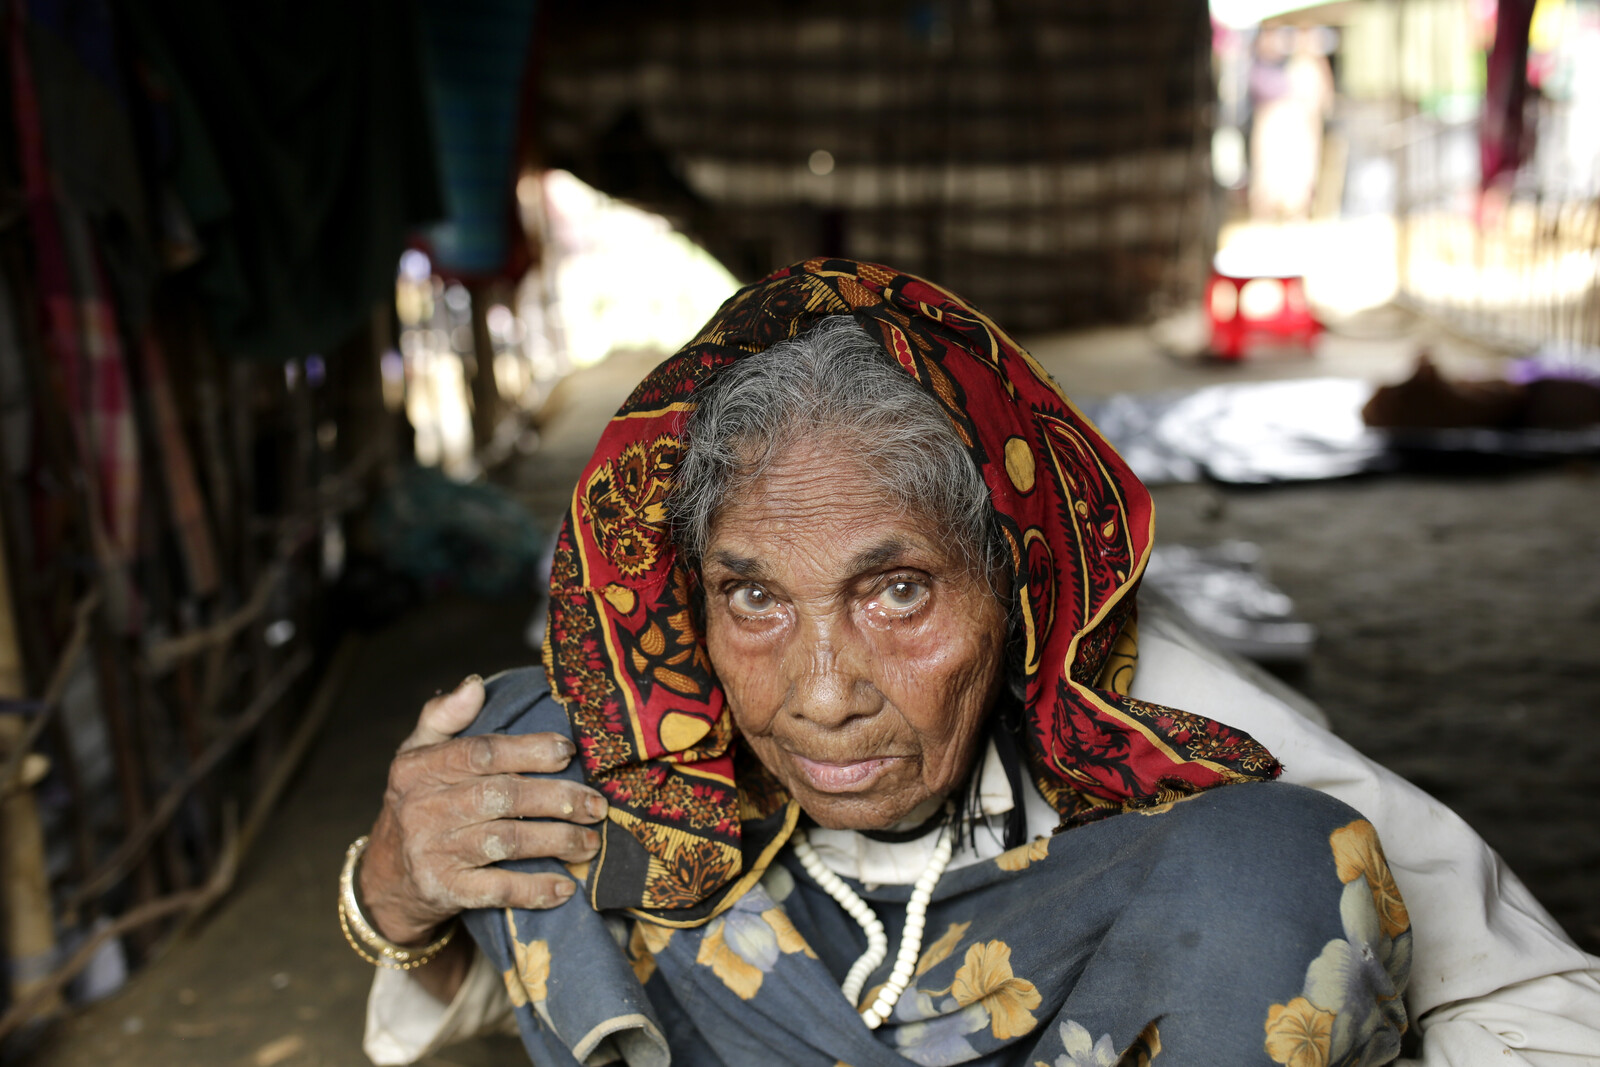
(751, 600)
(901, 595)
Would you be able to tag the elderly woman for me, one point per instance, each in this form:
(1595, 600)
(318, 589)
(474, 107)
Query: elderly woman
(835, 758)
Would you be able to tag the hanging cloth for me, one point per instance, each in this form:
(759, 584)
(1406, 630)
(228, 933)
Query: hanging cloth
(1500, 136)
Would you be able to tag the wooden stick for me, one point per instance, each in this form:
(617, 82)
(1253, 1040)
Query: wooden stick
(67, 765)
(113, 672)
(193, 736)
(133, 846)
(162, 656)
(25, 912)
(53, 691)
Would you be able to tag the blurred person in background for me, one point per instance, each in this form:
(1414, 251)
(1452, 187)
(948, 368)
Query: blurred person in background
(1291, 87)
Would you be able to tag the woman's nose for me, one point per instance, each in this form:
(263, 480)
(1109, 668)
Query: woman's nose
(829, 686)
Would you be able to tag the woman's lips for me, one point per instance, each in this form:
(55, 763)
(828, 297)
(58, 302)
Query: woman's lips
(853, 776)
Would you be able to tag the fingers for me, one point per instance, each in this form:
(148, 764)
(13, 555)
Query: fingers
(495, 887)
(447, 715)
(467, 758)
(544, 753)
(512, 840)
(508, 796)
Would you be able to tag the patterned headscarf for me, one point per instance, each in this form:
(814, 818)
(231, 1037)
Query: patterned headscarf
(694, 818)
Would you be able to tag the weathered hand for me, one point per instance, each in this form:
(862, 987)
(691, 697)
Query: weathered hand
(454, 807)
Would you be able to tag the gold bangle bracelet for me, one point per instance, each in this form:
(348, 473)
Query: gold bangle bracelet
(363, 938)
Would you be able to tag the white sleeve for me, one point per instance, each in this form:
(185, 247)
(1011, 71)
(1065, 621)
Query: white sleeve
(1491, 974)
(405, 1022)
(1545, 1022)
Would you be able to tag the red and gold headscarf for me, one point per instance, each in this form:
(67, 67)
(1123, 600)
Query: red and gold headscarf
(693, 819)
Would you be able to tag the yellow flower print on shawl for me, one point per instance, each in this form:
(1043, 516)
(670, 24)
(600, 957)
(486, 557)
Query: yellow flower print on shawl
(1299, 1033)
(1357, 854)
(741, 946)
(985, 978)
(1019, 858)
(527, 980)
(646, 940)
(984, 993)
(940, 950)
(1350, 1008)
(1145, 1047)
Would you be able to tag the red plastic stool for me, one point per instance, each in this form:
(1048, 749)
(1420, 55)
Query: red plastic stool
(1247, 310)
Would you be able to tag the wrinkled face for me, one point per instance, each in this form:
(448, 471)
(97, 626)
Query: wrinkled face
(859, 655)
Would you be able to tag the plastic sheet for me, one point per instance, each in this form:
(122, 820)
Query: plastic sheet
(1304, 430)
(1252, 433)
(1222, 591)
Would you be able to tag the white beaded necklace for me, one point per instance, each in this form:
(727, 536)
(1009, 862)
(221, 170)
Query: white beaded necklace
(877, 940)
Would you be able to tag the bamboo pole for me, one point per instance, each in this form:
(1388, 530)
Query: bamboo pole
(29, 927)
(54, 690)
(25, 912)
(485, 393)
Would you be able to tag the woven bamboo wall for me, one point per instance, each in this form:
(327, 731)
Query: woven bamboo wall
(1049, 161)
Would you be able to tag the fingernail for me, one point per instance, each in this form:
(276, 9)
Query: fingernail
(563, 890)
(591, 840)
(565, 749)
(596, 804)
(468, 680)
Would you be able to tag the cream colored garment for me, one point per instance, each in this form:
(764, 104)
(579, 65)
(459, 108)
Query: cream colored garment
(406, 1023)
(1493, 979)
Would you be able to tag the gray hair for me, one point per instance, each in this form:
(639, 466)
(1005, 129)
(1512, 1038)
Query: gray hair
(836, 381)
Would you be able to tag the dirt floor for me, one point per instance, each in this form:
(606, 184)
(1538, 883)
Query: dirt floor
(1459, 621)
(1460, 645)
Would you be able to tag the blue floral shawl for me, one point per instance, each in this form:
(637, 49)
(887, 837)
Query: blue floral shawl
(1256, 924)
